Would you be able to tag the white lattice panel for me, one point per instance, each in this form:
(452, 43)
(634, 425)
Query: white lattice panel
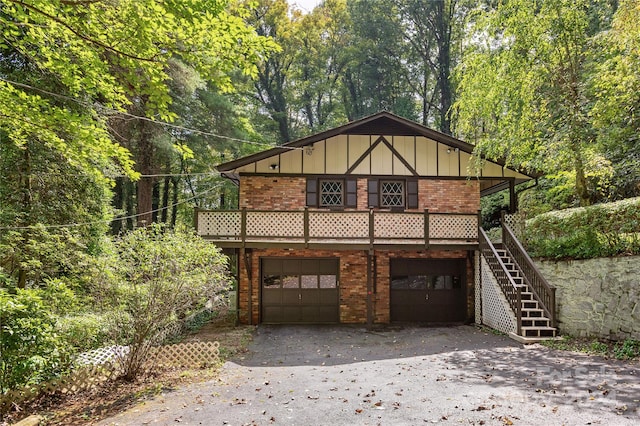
(477, 287)
(275, 224)
(398, 225)
(338, 225)
(516, 222)
(453, 226)
(219, 223)
(496, 312)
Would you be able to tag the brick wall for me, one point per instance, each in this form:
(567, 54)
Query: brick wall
(289, 193)
(272, 192)
(449, 196)
(353, 281)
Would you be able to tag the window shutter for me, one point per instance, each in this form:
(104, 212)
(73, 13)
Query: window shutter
(351, 193)
(312, 192)
(372, 188)
(412, 193)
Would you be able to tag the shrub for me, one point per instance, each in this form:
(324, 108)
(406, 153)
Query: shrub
(32, 351)
(157, 277)
(586, 232)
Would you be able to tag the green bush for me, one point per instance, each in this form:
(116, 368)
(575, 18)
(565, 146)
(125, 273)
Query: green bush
(586, 232)
(32, 351)
(157, 276)
(85, 331)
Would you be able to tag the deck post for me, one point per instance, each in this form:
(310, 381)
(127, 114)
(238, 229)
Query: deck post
(306, 227)
(243, 226)
(370, 273)
(426, 229)
(371, 229)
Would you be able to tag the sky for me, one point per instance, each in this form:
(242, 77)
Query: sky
(305, 5)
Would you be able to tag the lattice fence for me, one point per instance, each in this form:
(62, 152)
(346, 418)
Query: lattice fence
(516, 222)
(338, 225)
(496, 312)
(478, 287)
(275, 224)
(219, 223)
(453, 226)
(105, 364)
(399, 225)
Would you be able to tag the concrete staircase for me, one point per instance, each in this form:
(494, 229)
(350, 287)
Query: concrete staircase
(535, 325)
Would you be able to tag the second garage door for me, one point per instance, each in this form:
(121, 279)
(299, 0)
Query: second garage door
(300, 290)
(428, 290)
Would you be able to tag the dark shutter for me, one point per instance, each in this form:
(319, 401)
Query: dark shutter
(312, 192)
(372, 189)
(351, 193)
(412, 193)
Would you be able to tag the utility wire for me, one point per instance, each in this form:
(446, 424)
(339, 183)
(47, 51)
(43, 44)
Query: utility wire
(139, 117)
(97, 222)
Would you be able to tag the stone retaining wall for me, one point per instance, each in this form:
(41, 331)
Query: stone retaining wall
(597, 297)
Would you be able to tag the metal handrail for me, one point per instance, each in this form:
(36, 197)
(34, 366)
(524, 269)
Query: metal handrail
(511, 290)
(544, 293)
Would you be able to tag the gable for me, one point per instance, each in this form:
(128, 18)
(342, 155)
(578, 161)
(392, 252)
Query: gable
(380, 145)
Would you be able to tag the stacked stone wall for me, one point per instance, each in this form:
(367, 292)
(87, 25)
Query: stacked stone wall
(597, 297)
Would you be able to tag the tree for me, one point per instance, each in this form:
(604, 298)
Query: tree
(615, 88)
(522, 86)
(115, 56)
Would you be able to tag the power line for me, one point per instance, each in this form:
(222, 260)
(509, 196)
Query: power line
(139, 117)
(98, 222)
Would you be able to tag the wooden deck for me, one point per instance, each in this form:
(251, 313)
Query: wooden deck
(344, 230)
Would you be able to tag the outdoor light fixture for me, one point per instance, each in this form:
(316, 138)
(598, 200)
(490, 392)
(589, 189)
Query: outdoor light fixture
(273, 167)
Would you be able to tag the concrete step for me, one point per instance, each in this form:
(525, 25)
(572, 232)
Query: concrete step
(529, 340)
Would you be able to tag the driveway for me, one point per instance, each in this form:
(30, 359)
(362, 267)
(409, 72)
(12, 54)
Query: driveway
(299, 375)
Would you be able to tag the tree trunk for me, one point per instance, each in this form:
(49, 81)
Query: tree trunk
(444, 61)
(174, 207)
(145, 184)
(165, 199)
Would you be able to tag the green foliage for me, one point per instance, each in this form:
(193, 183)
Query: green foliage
(628, 349)
(32, 350)
(522, 86)
(581, 233)
(84, 331)
(157, 277)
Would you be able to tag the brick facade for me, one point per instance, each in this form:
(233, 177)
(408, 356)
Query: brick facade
(289, 193)
(352, 281)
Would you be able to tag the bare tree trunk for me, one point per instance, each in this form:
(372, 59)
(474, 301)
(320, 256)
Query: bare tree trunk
(145, 184)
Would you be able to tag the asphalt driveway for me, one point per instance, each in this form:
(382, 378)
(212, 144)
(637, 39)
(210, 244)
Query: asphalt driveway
(298, 375)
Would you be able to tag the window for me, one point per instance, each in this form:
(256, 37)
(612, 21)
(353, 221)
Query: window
(331, 193)
(391, 193)
(397, 193)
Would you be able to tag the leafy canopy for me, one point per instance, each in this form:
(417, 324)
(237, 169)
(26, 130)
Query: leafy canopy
(109, 54)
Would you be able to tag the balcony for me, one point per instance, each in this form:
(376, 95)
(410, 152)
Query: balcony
(344, 230)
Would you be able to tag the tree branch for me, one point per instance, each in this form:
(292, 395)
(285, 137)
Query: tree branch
(80, 35)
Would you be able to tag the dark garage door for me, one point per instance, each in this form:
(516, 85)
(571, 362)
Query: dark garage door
(300, 290)
(428, 290)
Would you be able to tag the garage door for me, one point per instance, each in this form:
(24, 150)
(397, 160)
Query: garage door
(428, 290)
(300, 290)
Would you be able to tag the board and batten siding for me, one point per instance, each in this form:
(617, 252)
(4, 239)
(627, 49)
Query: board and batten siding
(339, 154)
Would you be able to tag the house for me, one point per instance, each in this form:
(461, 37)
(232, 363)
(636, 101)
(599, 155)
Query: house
(376, 221)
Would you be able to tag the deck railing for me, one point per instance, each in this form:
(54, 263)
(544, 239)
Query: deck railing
(511, 290)
(309, 226)
(543, 291)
